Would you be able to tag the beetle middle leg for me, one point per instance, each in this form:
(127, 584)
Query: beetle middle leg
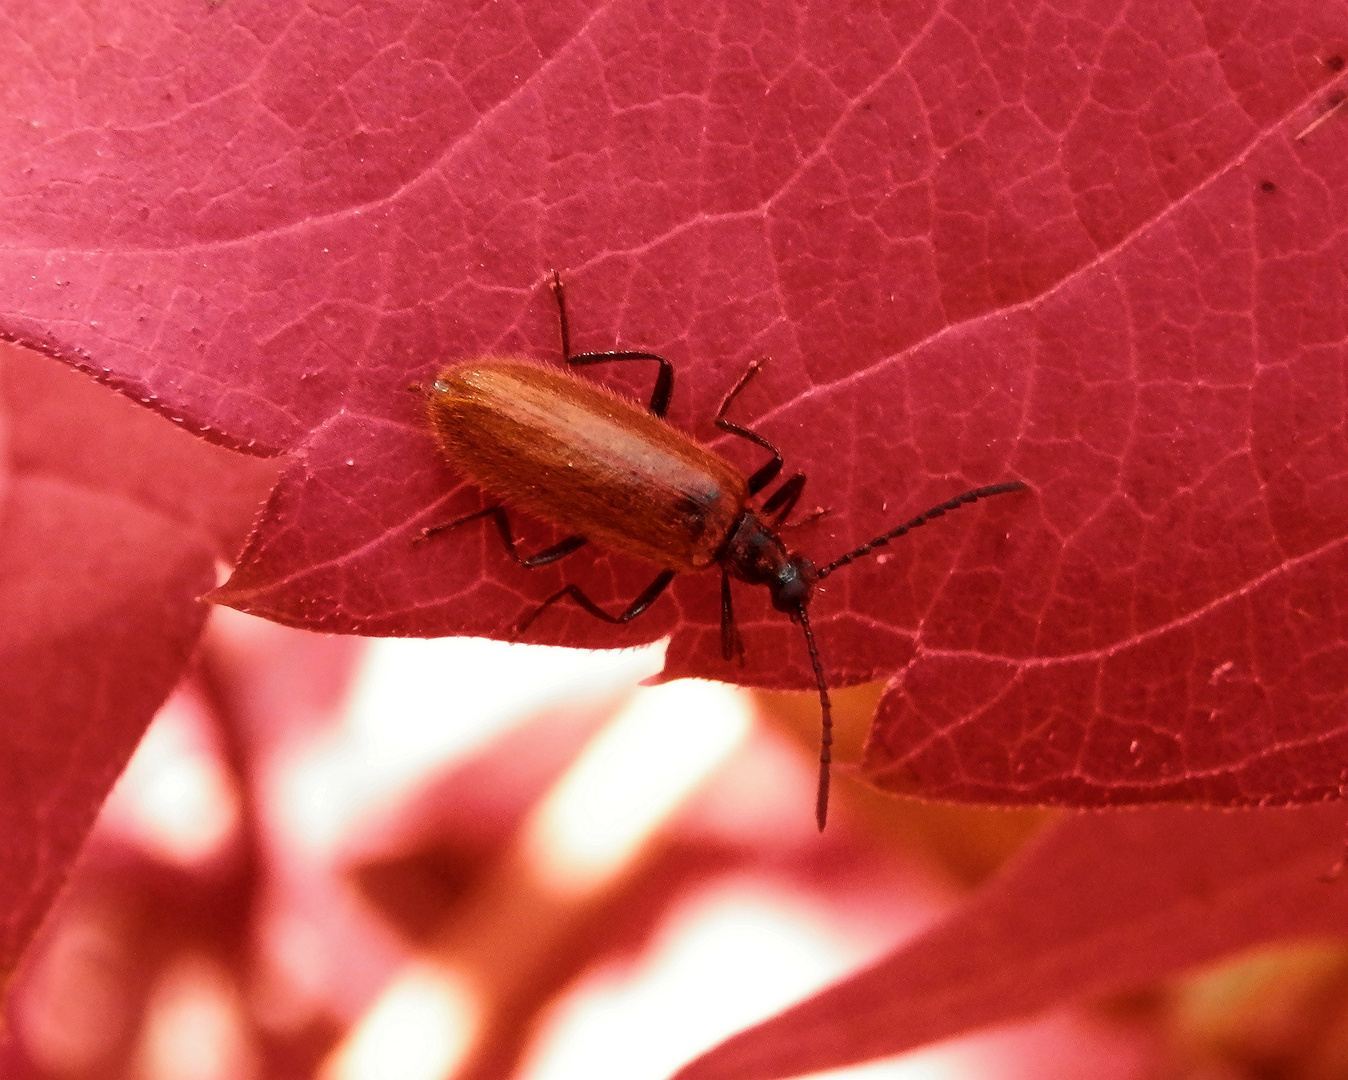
(664, 382)
(548, 555)
(635, 608)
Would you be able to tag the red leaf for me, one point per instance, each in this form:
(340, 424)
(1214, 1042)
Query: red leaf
(1086, 249)
(111, 525)
(1099, 904)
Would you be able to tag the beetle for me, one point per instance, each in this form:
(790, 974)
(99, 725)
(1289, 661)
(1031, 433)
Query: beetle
(607, 471)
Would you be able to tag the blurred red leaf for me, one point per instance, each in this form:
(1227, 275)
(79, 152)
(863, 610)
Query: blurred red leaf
(1084, 248)
(111, 526)
(1099, 904)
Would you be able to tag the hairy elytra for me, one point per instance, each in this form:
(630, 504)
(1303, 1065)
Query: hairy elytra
(546, 442)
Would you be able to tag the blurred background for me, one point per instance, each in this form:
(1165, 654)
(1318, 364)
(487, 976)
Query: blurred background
(460, 858)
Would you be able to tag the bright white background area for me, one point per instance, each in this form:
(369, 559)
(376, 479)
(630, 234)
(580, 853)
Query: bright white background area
(734, 948)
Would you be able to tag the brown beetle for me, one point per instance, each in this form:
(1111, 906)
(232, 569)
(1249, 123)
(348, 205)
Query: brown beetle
(595, 464)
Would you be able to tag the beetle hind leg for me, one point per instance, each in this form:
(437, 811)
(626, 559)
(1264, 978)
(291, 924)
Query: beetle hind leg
(548, 555)
(635, 608)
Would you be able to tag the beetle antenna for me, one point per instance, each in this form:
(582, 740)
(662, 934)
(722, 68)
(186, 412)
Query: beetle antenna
(921, 519)
(826, 708)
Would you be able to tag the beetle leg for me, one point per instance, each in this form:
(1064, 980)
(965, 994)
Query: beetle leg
(768, 473)
(640, 604)
(784, 499)
(732, 644)
(664, 382)
(559, 550)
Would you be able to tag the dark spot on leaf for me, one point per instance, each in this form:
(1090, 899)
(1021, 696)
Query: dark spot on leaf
(1335, 63)
(1268, 187)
